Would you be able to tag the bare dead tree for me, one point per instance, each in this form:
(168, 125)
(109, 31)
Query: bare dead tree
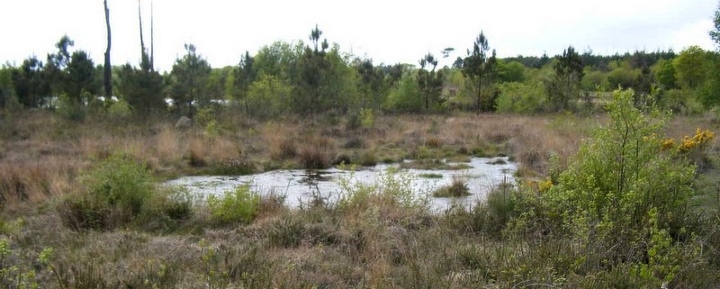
(152, 38)
(107, 70)
(144, 61)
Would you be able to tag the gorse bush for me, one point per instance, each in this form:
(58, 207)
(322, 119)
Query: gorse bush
(240, 205)
(621, 181)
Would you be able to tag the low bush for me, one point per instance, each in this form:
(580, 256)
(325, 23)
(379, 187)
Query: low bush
(120, 181)
(114, 192)
(238, 206)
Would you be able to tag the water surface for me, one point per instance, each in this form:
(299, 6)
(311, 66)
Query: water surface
(302, 186)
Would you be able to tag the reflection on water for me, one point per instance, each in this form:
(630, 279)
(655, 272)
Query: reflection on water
(302, 186)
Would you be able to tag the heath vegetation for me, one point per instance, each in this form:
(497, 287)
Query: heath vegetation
(615, 188)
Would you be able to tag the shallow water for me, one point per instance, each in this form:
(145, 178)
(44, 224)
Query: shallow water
(302, 186)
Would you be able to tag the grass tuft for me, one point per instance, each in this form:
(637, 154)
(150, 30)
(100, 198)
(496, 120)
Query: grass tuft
(316, 153)
(458, 188)
(430, 176)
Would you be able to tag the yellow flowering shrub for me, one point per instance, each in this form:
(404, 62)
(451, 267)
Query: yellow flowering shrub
(545, 185)
(699, 140)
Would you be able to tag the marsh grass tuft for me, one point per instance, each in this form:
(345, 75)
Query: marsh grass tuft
(430, 176)
(234, 167)
(317, 153)
(458, 188)
(433, 164)
(368, 159)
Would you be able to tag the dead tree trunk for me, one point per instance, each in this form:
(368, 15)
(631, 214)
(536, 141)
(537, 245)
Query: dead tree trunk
(107, 70)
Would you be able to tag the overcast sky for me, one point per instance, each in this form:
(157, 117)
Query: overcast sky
(386, 31)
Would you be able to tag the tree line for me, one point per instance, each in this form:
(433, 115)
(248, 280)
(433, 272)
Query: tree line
(316, 77)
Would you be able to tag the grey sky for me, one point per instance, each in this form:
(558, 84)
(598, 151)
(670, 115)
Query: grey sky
(386, 31)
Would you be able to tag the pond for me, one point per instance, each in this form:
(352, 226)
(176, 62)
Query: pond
(302, 186)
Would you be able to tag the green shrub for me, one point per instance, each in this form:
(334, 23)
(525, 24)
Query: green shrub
(167, 211)
(521, 98)
(120, 181)
(500, 207)
(70, 108)
(13, 273)
(367, 118)
(404, 97)
(619, 182)
(120, 109)
(212, 129)
(239, 206)
(115, 191)
(392, 188)
(490, 217)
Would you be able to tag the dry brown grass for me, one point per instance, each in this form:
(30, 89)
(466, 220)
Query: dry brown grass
(280, 140)
(196, 153)
(317, 152)
(44, 138)
(169, 144)
(36, 181)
